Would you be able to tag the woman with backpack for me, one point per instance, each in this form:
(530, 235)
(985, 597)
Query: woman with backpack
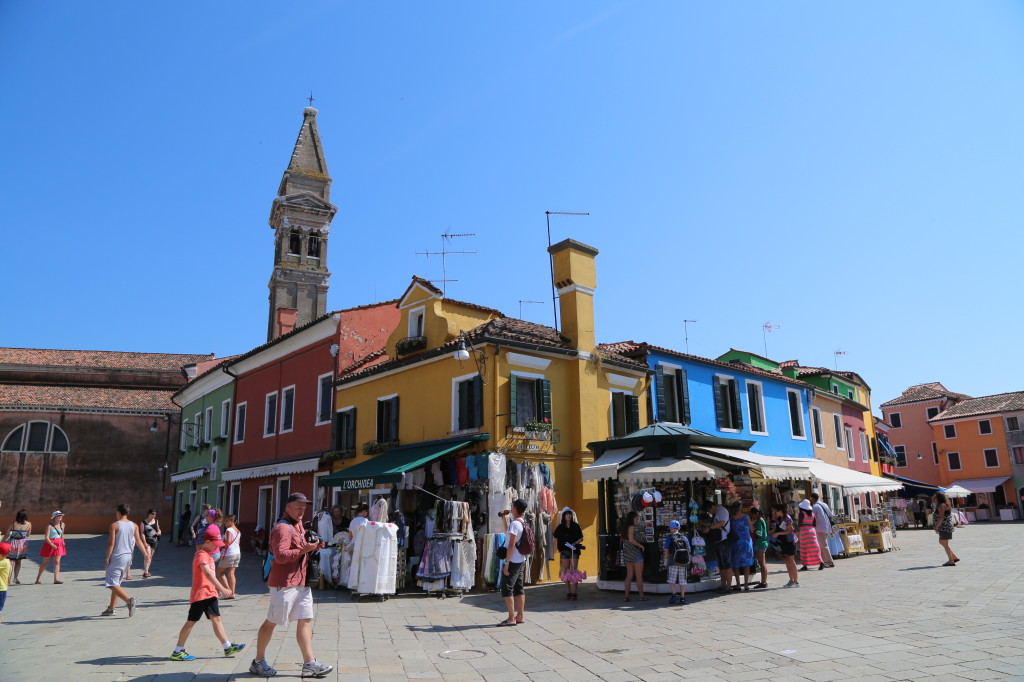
(810, 550)
(568, 535)
(633, 554)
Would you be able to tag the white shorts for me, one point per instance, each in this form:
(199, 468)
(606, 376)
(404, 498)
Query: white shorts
(116, 570)
(230, 561)
(290, 603)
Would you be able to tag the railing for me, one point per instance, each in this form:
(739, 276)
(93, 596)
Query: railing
(333, 455)
(547, 435)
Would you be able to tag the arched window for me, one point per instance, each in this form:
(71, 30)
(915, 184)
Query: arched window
(313, 246)
(36, 436)
(295, 244)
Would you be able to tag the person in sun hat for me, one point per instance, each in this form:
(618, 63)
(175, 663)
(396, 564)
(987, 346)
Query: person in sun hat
(203, 598)
(53, 547)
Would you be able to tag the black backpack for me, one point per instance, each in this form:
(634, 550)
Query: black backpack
(680, 551)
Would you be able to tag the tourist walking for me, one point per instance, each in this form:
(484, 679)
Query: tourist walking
(677, 558)
(944, 526)
(185, 526)
(124, 538)
(17, 536)
(199, 525)
(760, 539)
(568, 535)
(717, 536)
(231, 555)
(742, 545)
(5, 574)
(782, 530)
(519, 546)
(823, 529)
(290, 598)
(810, 553)
(151, 533)
(633, 537)
(53, 547)
(203, 598)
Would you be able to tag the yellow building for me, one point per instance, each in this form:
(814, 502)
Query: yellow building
(457, 378)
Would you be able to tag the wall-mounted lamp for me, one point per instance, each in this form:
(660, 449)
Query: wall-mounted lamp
(465, 350)
(154, 427)
(461, 353)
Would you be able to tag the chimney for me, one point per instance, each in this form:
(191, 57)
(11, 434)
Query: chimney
(285, 321)
(575, 280)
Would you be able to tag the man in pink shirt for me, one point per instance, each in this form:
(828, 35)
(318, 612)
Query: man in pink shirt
(290, 598)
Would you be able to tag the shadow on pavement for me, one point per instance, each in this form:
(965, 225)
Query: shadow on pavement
(919, 568)
(123, 660)
(191, 677)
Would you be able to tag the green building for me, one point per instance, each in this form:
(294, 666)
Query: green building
(204, 444)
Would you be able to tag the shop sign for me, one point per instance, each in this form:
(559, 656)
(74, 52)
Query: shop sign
(357, 484)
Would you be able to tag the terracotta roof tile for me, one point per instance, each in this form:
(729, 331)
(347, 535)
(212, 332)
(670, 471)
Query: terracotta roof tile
(989, 404)
(930, 391)
(86, 397)
(632, 348)
(99, 359)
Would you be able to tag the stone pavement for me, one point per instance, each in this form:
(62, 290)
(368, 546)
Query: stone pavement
(893, 616)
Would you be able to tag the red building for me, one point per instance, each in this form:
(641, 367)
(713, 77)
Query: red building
(284, 408)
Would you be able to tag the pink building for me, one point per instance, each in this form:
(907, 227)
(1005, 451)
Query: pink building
(910, 434)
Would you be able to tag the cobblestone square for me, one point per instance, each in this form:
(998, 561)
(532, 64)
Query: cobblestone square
(893, 616)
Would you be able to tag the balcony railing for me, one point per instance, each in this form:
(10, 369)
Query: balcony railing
(541, 434)
(410, 344)
(375, 446)
(333, 455)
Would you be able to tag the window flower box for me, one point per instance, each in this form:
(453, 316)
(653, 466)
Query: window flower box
(410, 344)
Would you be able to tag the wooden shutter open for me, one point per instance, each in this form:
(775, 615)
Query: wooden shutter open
(513, 400)
(659, 392)
(477, 407)
(684, 396)
(737, 408)
(632, 413)
(544, 402)
(716, 387)
(393, 422)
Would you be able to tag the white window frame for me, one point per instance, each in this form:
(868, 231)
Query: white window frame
(984, 454)
(320, 398)
(213, 463)
(225, 418)
(1017, 455)
(677, 372)
(800, 412)
(455, 404)
(418, 313)
(611, 411)
(850, 394)
(901, 450)
(182, 437)
(235, 500)
(376, 412)
(819, 432)
(1006, 423)
(222, 501)
(950, 464)
(726, 378)
(935, 454)
(197, 425)
(990, 429)
(270, 506)
(837, 430)
(280, 424)
(336, 413)
(204, 497)
(278, 503)
(947, 437)
(760, 406)
(208, 425)
(242, 408)
(317, 503)
(835, 388)
(267, 412)
(899, 417)
(865, 454)
(848, 437)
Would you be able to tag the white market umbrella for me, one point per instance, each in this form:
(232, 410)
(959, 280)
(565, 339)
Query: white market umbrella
(956, 491)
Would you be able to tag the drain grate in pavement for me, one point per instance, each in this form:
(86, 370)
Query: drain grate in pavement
(462, 654)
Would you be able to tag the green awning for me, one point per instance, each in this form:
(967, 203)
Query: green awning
(389, 466)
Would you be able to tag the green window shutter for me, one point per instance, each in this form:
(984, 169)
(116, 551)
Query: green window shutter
(381, 425)
(716, 387)
(513, 401)
(632, 413)
(684, 396)
(544, 402)
(477, 408)
(737, 408)
(350, 441)
(393, 426)
(619, 414)
(462, 421)
(659, 391)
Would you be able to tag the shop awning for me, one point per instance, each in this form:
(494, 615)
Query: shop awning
(295, 466)
(608, 464)
(851, 481)
(912, 487)
(188, 475)
(982, 485)
(390, 466)
(773, 468)
(667, 469)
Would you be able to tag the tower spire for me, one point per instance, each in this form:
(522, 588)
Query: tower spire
(301, 218)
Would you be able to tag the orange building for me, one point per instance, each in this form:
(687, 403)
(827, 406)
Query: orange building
(973, 452)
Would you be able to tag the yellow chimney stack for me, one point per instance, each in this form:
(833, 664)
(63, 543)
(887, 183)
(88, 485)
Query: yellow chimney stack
(575, 272)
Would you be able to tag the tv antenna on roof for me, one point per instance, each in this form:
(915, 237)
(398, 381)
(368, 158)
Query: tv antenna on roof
(551, 259)
(443, 253)
(835, 357)
(521, 302)
(686, 332)
(765, 331)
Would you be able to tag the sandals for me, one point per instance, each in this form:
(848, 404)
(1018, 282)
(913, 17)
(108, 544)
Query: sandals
(58, 582)
(949, 563)
(760, 586)
(147, 575)
(506, 624)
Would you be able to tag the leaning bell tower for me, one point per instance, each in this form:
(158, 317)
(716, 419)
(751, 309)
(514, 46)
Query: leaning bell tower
(301, 218)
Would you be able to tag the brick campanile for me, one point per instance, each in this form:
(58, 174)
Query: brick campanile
(301, 219)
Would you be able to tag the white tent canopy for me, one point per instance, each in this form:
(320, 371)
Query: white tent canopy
(980, 485)
(956, 491)
(774, 468)
(668, 469)
(609, 463)
(851, 481)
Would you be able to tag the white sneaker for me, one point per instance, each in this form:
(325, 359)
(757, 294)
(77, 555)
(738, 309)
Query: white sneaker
(315, 669)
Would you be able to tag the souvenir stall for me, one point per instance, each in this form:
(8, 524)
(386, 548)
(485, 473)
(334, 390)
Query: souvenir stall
(374, 551)
(444, 503)
(660, 491)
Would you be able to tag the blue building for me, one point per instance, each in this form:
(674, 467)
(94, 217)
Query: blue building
(727, 399)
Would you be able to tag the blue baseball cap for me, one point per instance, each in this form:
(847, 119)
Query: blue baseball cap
(673, 524)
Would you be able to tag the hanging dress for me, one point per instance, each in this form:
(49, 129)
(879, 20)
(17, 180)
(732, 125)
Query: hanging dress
(810, 551)
(743, 547)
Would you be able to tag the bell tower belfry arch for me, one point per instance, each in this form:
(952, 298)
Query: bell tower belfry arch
(301, 218)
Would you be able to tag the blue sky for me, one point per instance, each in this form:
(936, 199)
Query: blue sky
(849, 171)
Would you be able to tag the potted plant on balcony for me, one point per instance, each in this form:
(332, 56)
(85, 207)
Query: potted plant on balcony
(537, 429)
(373, 447)
(410, 344)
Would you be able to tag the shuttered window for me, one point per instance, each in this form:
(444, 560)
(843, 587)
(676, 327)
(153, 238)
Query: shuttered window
(469, 404)
(796, 413)
(345, 429)
(625, 414)
(387, 420)
(728, 412)
(529, 400)
(673, 394)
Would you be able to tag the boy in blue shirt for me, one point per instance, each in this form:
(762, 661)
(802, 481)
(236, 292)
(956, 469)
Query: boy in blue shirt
(677, 558)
